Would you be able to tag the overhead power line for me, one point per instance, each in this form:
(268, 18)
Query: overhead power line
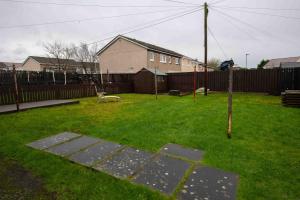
(182, 2)
(83, 19)
(217, 2)
(94, 5)
(257, 8)
(259, 13)
(214, 37)
(264, 32)
(235, 25)
(160, 21)
(243, 22)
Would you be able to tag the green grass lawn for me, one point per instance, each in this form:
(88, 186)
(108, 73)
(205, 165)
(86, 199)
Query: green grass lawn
(264, 150)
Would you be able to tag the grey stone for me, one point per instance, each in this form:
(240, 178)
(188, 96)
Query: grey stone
(177, 150)
(53, 140)
(208, 183)
(125, 163)
(95, 153)
(73, 146)
(163, 174)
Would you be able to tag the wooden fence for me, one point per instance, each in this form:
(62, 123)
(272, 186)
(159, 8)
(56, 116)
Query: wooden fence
(34, 86)
(273, 81)
(33, 93)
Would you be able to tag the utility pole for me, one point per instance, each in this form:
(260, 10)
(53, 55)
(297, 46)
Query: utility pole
(247, 54)
(205, 47)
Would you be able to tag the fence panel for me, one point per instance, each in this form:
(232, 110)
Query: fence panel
(272, 81)
(31, 93)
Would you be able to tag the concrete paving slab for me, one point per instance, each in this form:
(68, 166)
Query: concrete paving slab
(53, 140)
(125, 163)
(207, 183)
(95, 153)
(163, 174)
(179, 151)
(73, 146)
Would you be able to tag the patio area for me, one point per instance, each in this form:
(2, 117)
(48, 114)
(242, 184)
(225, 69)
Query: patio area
(31, 105)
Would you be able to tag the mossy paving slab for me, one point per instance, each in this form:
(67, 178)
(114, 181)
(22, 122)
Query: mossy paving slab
(95, 153)
(179, 151)
(206, 183)
(164, 173)
(73, 146)
(53, 140)
(125, 163)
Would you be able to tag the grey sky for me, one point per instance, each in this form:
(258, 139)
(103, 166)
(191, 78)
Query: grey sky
(273, 37)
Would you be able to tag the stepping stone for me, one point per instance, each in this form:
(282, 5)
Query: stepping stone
(163, 174)
(125, 163)
(179, 151)
(208, 183)
(95, 153)
(73, 146)
(53, 140)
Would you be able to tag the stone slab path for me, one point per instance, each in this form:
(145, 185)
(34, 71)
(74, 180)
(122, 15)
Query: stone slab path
(174, 170)
(30, 105)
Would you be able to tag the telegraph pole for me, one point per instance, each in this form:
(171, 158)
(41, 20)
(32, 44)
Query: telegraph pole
(205, 47)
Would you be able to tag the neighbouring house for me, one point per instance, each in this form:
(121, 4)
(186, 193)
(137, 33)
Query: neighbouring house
(144, 81)
(188, 64)
(6, 66)
(276, 63)
(37, 63)
(128, 55)
(290, 65)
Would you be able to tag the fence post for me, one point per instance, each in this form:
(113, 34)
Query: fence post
(16, 88)
(53, 77)
(65, 75)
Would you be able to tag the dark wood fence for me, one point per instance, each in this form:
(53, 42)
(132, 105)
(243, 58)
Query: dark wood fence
(39, 86)
(273, 81)
(34, 86)
(33, 93)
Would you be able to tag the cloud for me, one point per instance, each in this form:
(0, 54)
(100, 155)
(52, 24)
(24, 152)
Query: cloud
(20, 50)
(275, 36)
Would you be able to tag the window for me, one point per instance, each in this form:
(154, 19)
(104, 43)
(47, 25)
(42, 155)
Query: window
(151, 55)
(177, 61)
(170, 59)
(163, 58)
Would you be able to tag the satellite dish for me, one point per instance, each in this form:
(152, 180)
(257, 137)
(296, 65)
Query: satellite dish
(226, 64)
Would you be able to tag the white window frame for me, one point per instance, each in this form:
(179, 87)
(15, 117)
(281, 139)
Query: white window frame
(163, 58)
(177, 61)
(151, 56)
(170, 59)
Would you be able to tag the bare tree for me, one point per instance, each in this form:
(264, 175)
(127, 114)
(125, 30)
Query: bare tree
(61, 53)
(86, 55)
(60, 56)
